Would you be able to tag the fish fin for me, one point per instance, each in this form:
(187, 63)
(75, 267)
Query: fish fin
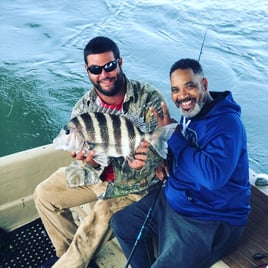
(101, 158)
(134, 118)
(151, 121)
(160, 137)
(105, 110)
(139, 122)
(142, 124)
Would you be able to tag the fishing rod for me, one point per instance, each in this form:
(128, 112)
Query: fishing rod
(139, 236)
(201, 50)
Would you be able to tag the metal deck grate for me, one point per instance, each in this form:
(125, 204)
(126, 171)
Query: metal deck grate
(26, 247)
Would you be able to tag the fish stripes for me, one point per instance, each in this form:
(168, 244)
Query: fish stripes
(131, 135)
(116, 124)
(86, 122)
(103, 128)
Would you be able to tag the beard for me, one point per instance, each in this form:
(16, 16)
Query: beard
(117, 86)
(193, 112)
(204, 98)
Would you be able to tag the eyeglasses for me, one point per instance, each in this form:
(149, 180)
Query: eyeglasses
(108, 67)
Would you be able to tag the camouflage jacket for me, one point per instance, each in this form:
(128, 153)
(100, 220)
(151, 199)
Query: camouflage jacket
(139, 97)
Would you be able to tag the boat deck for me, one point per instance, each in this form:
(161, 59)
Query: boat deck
(28, 246)
(255, 238)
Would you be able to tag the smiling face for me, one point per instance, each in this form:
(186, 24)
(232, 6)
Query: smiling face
(188, 91)
(107, 83)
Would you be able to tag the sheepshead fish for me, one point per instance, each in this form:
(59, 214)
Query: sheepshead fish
(111, 135)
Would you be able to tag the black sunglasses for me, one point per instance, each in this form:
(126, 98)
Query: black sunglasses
(108, 67)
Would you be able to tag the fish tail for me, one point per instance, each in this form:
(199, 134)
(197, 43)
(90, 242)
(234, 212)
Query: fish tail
(158, 139)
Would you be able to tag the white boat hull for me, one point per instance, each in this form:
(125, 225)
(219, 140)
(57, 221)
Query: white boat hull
(19, 175)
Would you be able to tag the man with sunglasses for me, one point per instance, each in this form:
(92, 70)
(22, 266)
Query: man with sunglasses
(131, 179)
(200, 214)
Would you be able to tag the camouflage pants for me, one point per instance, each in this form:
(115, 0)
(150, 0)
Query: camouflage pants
(76, 245)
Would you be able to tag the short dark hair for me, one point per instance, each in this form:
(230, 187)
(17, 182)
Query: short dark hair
(187, 64)
(101, 44)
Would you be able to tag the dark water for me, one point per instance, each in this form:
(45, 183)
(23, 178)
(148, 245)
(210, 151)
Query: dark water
(41, 63)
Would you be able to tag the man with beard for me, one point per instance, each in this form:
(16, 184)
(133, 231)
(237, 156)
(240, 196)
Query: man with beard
(84, 181)
(201, 212)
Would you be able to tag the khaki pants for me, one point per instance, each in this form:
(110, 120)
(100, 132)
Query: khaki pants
(76, 245)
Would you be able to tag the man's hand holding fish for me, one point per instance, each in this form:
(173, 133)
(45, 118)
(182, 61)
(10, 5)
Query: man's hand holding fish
(87, 157)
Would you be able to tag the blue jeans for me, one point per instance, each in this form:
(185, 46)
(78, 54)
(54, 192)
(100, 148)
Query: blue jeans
(182, 241)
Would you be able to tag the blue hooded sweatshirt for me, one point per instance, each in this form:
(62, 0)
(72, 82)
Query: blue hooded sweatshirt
(208, 164)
